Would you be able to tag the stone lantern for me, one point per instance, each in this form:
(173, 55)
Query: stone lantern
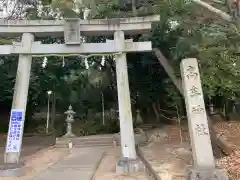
(70, 114)
(211, 109)
(139, 120)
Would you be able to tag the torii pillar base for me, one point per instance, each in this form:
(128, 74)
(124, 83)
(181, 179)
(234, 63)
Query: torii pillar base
(12, 170)
(207, 174)
(126, 165)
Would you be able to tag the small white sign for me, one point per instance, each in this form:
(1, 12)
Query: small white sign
(125, 151)
(15, 130)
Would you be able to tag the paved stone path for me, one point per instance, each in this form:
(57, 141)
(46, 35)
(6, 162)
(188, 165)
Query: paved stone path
(81, 163)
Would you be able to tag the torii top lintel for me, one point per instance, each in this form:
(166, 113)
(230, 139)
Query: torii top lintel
(95, 27)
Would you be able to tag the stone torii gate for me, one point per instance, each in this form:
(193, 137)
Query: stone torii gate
(71, 30)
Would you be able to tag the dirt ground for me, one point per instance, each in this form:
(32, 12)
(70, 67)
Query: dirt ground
(39, 161)
(31, 145)
(37, 154)
(171, 156)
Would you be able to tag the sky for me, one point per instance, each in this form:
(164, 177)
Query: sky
(6, 7)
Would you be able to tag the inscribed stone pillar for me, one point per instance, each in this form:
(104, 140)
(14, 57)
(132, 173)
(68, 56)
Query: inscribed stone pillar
(203, 160)
(197, 118)
(125, 113)
(16, 123)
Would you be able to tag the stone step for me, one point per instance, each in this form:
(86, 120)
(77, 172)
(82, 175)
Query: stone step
(81, 145)
(75, 141)
(107, 136)
(147, 126)
(88, 141)
(85, 142)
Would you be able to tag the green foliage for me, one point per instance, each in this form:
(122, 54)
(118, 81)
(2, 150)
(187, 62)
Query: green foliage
(92, 127)
(216, 48)
(4, 128)
(182, 32)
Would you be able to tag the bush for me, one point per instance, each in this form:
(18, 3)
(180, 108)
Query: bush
(4, 128)
(92, 127)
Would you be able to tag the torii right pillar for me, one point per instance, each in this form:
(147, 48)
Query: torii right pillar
(129, 161)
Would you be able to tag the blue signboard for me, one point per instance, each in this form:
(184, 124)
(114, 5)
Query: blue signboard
(15, 130)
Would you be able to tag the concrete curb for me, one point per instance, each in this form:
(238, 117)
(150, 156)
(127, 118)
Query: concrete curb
(97, 166)
(149, 170)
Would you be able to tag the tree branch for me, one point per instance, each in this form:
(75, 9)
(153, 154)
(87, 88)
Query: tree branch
(168, 68)
(219, 12)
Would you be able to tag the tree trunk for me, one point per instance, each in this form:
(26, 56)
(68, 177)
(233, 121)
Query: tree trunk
(219, 144)
(134, 9)
(158, 106)
(53, 113)
(219, 12)
(156, 112)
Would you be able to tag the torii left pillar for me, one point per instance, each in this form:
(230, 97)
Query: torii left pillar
(17, 117)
